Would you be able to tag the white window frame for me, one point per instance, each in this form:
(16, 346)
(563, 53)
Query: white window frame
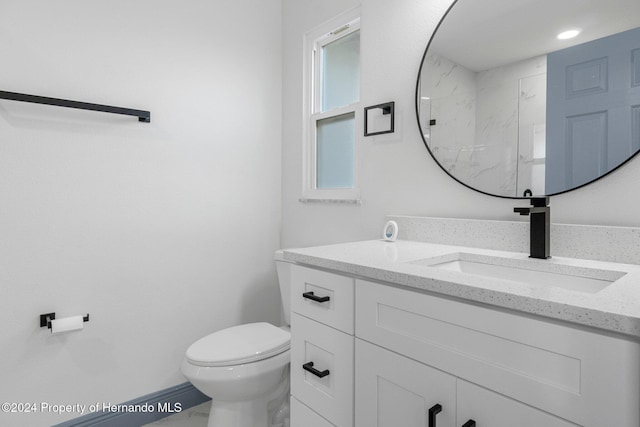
(341, 26)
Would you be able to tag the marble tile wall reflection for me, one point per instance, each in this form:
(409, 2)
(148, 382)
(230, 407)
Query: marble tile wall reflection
(451, 92)
(476, 134)
(532, 128)
(502, 107)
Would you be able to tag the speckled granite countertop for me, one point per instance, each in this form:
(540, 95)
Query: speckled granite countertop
(615, 308)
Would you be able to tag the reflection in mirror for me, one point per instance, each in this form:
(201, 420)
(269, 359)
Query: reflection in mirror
(508, 108)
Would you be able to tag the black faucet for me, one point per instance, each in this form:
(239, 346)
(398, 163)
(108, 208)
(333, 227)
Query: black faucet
(540, 213)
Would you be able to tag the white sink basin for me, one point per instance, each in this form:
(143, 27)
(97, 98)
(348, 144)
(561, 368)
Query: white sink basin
(538, 273)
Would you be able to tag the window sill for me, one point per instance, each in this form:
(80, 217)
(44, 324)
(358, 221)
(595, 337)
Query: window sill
(331, 201)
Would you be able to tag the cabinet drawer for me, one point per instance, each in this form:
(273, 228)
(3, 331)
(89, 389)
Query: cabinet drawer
(331, 353)
(559, 369)
(490, 409)
(323, 296)
(302, 416)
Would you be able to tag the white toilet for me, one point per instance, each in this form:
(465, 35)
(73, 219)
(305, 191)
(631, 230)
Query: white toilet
(245, 368)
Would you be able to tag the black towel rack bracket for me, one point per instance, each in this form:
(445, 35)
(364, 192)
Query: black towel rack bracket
(143, 116)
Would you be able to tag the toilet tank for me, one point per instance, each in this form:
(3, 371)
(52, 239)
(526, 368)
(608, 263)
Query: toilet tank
(284, 278)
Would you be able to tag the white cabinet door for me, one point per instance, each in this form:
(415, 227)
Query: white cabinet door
(490, 409)
(393, 391)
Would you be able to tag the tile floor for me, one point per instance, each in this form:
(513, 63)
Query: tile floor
(193, 417)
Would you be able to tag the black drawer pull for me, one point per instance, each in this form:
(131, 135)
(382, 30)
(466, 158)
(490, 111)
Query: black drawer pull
(311, 296)
(469, 423)
(433, 411)
(309, 368)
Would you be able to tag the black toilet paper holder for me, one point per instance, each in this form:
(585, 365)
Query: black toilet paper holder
(45, 319)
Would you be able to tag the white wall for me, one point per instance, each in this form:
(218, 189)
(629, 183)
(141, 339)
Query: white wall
(163, 232)
(397, 175)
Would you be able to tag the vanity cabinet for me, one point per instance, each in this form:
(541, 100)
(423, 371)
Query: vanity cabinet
(406, 353)
(506, 364)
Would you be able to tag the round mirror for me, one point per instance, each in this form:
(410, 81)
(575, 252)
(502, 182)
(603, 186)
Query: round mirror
(532, 97)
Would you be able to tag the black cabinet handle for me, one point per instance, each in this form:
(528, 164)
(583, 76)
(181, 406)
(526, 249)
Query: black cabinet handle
(469, 423)
(311, 296)
(433, 411)
(309, 368)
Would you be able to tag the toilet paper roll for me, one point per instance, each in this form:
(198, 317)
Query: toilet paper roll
(66, 324)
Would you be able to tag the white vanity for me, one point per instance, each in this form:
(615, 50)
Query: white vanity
(395, 334)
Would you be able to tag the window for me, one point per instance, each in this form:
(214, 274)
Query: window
(332, 81)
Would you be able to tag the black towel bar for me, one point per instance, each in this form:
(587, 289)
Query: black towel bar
(143, 116)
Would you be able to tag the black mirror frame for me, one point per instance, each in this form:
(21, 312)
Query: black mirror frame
(417, 108)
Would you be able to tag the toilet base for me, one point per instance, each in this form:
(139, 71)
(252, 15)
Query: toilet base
(271, 410)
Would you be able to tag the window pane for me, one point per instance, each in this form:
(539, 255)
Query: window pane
(341, 72)
(335, 152)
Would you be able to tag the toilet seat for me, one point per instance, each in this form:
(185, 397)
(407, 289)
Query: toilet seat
(238, 345)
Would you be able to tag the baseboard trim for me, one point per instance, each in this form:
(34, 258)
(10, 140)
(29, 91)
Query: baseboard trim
(158, 405)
